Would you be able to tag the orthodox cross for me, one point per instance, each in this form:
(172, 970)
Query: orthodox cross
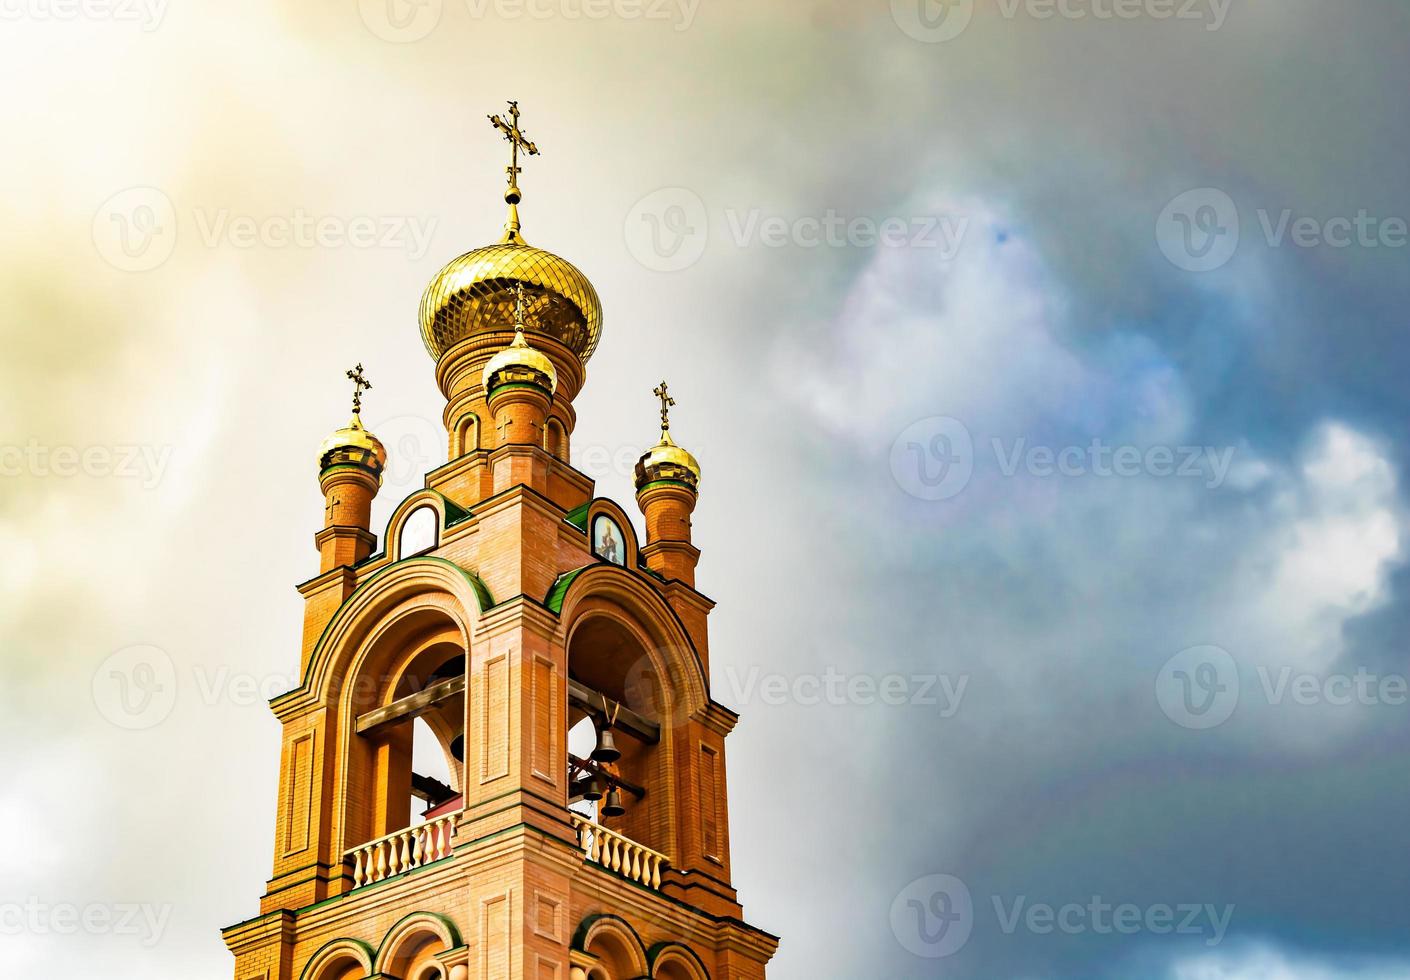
(360, 384)
(519, 311)
(667, 401)
(517, 141)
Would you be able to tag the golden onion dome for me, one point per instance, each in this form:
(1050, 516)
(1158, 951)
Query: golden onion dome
(669, 462)
(520, 364)
(475, 294)
(353, 445)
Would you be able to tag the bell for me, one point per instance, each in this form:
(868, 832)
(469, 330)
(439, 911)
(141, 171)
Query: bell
(612, 806)
(593, 789)
(606, 750)
(457, 748)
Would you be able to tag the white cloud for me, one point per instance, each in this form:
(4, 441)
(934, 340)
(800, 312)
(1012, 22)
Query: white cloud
(1270, 964)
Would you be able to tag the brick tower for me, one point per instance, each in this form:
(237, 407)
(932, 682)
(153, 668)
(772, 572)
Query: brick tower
(509, 615)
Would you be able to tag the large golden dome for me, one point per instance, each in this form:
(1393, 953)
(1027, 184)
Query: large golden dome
(475, 294)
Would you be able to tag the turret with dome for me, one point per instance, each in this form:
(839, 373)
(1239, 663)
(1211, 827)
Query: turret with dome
(511, 661)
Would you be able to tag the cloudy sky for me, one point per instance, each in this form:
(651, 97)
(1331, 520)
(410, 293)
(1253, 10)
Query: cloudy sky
(1046, 362)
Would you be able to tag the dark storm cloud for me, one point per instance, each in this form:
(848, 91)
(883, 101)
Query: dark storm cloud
(1060, 780)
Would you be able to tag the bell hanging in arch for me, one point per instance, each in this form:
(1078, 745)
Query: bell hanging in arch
(612, 806)
(606, 750)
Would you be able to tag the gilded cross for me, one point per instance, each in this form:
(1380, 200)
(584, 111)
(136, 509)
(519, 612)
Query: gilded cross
(667, 401)
(360, 384)
(519, 309)
(517, 141)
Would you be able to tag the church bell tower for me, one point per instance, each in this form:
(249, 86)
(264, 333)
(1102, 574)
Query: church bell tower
(508, 624)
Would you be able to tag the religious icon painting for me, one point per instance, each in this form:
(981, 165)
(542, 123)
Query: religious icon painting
(608, 541)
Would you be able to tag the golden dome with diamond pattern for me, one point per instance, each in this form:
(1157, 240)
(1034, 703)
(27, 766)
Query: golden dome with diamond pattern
(669, 462)
(353, 445)
(474, 294)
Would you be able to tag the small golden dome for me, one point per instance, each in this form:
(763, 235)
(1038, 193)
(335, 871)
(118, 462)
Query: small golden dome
(669, 462)
(475, 294)
(353, 445)
(520, 364)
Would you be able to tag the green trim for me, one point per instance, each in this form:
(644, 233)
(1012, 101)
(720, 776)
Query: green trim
(578, 517)
(521, 384)
(370, 559)
(454, 933)
(584, 927)
(362, 467)
(654, 953)
(668, 483)
(482, 593)
(454, 512)
(554, 599)
(366, 948)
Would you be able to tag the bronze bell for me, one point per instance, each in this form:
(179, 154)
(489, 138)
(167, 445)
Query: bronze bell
(606, 750)
(593, 789)
(612, 806)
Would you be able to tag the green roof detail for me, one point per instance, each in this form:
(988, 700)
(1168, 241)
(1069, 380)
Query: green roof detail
(554, 600)
(578, 518)
(454, 512)
(482, 591)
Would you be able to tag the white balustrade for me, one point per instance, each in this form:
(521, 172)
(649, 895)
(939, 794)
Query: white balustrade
(620, 854)
(402, 851)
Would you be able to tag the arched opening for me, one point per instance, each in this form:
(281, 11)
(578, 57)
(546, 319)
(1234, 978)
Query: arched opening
(582, 739)
(406, 749)
(414, 958)
(619, 761)
(435, 773)
(342, 959)
(676, 962)
(344, 968)
(617, 950)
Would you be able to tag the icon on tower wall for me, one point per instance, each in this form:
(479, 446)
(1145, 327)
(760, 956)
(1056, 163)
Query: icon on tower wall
(608, 541)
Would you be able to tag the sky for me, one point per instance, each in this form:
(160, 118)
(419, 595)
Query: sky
(1044, 359)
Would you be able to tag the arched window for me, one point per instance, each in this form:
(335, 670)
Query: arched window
(419, 532)
(467, 435)
(553, 438)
